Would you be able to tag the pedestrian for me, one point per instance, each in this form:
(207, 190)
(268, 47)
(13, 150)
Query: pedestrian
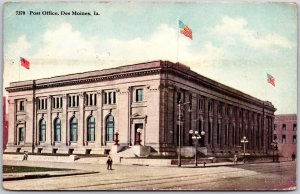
(109, 163)
(235, 159)
(25, 156)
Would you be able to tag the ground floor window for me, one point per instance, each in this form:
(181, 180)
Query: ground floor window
(42, 127)
(73, 129)
(91, 129)
(57, 130)
(21, 134)
(110, 128)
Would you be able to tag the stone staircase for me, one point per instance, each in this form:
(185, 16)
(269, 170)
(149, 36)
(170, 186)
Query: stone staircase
(127, 152)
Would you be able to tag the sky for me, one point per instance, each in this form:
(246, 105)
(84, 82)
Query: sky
(236, 44)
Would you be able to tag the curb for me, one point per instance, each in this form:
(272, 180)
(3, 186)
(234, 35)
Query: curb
(32, 176)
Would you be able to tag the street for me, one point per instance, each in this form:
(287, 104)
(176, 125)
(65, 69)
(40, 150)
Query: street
(263, 176)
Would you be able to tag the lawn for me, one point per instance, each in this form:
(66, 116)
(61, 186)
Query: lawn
(18, 169)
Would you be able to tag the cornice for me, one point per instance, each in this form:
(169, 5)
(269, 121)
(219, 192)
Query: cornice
(85, 80)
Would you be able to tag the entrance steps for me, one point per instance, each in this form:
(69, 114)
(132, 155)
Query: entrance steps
(126, 152)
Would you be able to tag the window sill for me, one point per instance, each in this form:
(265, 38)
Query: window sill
(109, 106)
(90, 108)
(73, 108)
(138, 104)
(21, 113)
(42, 111)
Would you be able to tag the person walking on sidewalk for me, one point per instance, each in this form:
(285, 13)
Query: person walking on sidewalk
(235, 159)
(109, 163)
(25, 156)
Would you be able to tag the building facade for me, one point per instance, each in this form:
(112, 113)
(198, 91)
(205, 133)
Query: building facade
(285, 133)
(80, 113)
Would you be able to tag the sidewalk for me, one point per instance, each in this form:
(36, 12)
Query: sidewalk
(84, 168)
(34, 175)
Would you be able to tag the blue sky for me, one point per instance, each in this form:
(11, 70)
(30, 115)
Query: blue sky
(236, 44)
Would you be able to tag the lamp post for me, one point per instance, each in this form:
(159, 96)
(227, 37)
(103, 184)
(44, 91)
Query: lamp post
(117, 138)
(139, 131)
(179, 130)
(244, 141)
(196, 137)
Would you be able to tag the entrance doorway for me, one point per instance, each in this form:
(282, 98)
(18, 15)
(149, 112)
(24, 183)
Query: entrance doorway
(136, 135)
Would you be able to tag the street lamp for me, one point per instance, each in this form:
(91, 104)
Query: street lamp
(196, 137)
(179, 130)
(117, 138)
(244, 141)
(139, 131)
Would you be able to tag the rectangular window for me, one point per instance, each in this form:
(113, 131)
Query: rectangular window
(294, 138)
(22, 105)
(57, 102)
(283, 127)
(90, 99)
(295, 127)
(283, 139)
(42, 103)
(201, 103)
(139, 95)
(73, 100)
(178, 97)
(114, 97)
(275, 137)
(73, 103)
(110, 97)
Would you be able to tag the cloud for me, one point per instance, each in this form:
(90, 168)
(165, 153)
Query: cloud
(232, 28)
(64, 43)
(18, 48)
(162, 44)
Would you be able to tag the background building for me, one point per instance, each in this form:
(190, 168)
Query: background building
(5, 123)
(80, 113)
(285, 133)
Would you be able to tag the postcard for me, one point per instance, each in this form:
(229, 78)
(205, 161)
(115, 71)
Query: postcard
(149, 96)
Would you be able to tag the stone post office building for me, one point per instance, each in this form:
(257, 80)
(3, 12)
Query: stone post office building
(80, 113)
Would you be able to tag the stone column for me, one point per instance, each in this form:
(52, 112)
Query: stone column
(205, 122)
(82, 140)
(99, 120)
(214, 125)
(65, 134)
(49, 121)
(12, 125)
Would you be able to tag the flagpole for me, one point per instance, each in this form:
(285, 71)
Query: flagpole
(177, 37)
(19, 70)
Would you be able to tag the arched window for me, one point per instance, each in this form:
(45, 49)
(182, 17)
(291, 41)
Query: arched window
(57, 130)
(91, 129)
(73, 129)
(42, 127)
(110, 128)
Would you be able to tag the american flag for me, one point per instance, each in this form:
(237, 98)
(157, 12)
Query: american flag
(185, 30)
(25, 63)
(271, 79)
